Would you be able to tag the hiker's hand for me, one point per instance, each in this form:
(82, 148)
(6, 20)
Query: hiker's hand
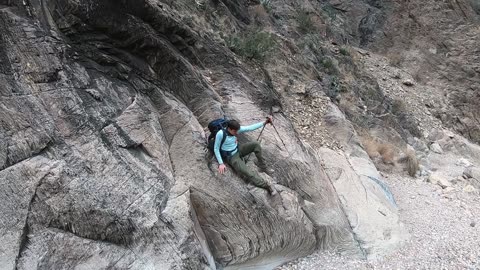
(222, 168)
(269, 120)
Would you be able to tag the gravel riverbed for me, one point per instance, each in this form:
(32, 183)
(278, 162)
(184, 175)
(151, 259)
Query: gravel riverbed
(444, 228)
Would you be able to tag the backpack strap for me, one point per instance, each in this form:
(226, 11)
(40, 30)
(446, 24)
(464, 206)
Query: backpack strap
(226, 154)
(224, 131)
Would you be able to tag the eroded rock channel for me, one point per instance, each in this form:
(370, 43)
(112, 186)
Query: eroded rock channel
(103, 106)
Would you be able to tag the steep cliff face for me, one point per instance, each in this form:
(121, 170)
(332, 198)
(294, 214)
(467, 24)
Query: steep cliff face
(103, 106)
(102, 157)
(436, 42)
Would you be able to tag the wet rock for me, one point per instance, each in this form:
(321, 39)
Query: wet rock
(436, 135)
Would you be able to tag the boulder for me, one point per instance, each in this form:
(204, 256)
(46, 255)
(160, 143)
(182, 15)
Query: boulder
(372, 213)
(472, 172)
(435, 135)
(438, 179)
(19, 184)
(469, 189)
(436, 148)
(463, 162)
(408, 82)
(473, 176)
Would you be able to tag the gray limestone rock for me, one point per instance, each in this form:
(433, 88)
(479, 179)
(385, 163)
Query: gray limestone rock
(439, 179)
(436, 148)
(367, 201)
(473, 176)
(472, 172)
(102, 149)
(408, 83)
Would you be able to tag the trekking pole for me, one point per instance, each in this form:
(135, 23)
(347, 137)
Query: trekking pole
(279, 135)
(261, 133)
(275, 128)
(248, 157)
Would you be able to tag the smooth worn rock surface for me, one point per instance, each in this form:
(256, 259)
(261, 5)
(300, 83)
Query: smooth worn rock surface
(366, 199)
(370, 209)
(102, 153)
(103, 106)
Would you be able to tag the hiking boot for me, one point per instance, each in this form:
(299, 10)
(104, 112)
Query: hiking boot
(271, 190)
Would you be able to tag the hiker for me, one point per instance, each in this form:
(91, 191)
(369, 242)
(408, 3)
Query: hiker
(230, 152)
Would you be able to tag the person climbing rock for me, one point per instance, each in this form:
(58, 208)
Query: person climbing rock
(227, 149)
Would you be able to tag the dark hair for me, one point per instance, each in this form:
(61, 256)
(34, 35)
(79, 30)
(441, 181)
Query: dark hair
(233, 124)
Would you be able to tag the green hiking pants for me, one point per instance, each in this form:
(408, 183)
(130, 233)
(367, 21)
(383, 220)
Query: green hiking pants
(237, 163)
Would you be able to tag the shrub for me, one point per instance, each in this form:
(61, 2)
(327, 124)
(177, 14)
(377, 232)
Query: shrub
(252, 44)
(311, 41)
(412, 163)
(334, 88)
(330, 11)
(375, 148)
(475, 5)
(267, 5)
(398, 107)
(305, 22)
(328, 65)
(344, 51)
(370, 147)
(260, 14)
(387, 153)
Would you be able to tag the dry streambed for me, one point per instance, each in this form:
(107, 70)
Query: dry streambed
(443, 223)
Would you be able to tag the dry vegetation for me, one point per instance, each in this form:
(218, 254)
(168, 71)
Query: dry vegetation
(378, 150)
(412, 163)
(260, 14)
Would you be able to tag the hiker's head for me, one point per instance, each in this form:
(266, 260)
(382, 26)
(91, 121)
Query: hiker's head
(233, 126)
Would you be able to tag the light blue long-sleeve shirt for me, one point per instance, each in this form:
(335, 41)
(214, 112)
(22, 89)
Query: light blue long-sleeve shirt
(231, 143)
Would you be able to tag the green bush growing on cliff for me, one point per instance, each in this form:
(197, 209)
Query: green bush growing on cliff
(475, 5)
(330, 11)
(252, 44)
(305, 22)
(344, 51)
(328, 65)
(267, 5)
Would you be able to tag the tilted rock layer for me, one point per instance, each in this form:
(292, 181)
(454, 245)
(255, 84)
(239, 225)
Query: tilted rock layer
(102, 159)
